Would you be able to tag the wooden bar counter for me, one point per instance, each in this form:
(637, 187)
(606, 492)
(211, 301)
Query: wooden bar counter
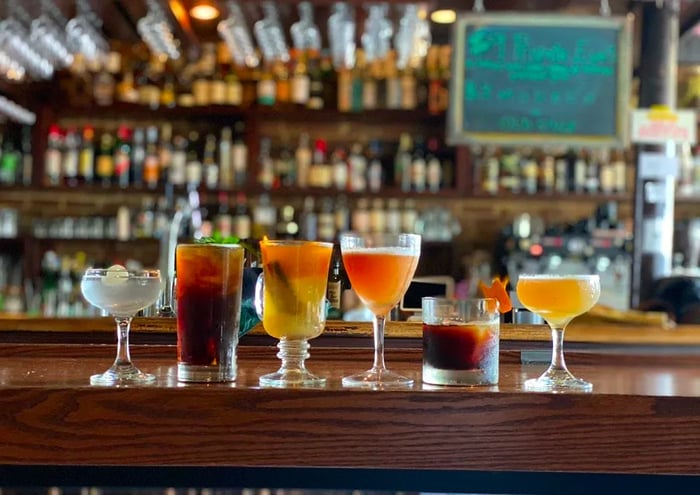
(639, 430)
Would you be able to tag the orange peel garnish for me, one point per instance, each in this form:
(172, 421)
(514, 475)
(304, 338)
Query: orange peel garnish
(497, 290)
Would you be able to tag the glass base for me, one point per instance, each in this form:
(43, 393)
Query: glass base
(206, 374)
(291, 379)
(122, 375)
(558, 382)
(377, 379)
(474, 377)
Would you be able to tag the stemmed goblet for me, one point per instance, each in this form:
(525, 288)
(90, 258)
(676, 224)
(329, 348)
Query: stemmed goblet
(558, 299)
(380, 268)
(122, 293)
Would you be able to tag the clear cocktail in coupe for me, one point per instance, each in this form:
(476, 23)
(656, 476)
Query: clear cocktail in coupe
(122, 293)
(558, 299)
(380, 268)
(291, 299)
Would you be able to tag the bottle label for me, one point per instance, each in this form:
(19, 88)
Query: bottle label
(333, 293)
(301, 86)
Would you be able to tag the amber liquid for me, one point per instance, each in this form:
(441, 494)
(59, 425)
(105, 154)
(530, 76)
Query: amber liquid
(208, 303)
(380, 276)
(558, 299)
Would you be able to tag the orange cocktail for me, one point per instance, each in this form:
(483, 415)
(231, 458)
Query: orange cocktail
(380, 276)
(380, 268)
(558, 299)
(296, 274)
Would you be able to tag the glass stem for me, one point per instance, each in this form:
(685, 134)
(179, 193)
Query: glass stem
(292, 353)
(558, 363)
(378, 323)
(123, 356)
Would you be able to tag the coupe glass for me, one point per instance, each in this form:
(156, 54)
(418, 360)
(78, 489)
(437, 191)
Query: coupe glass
(380, 268)
(558, 299)
(122, 294)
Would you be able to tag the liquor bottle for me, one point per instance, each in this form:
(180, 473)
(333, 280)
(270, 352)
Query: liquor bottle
(308, 221)
(264, 218)
(342, 177)
(548, 174)
(52, 160)
(165, 152)
(561, 175)
(320, 171)
(239, 156)
(402, 163)
(334, 287)
(225, 165)
(377, 217)
(319, 87)
(122, 156)
(193, 167)
(178, 163)
(86, 159)
(620, 167)
(151, 164)
(359, 221)
(138, 157)
(27, 157)
(217, 89)
(211, 168)
(282, 83)
(357, 82)
(434, 81)
(433, 167)
(69, 161)
(234, 89)
(393, 217)
(223, 223)
(285, 173)
(530, 172)
(167, 93)
(409, 96)
(580, 170)
(303, 156)
(374, 169)
(491, 171)
(266, 88)
(326, 221)
(357, 163)
(370, 87)
(607, 173)
(344, 90)
(342, 215)
(266, 167)
(510, 178)
(393, 83)
(418, 167)
(9, 162)
(241, 227)
(104, 163)
(593, 173)
(301, 83)
(409, 216)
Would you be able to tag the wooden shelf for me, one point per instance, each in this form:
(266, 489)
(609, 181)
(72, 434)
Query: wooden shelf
(542, 196)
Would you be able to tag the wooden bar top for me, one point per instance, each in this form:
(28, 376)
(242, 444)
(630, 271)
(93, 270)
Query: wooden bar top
(643, 416)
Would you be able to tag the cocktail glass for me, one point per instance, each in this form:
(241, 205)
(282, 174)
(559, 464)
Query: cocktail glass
(122, 294)
(460, 341)
(208, 294)
(380, 268)
(558, 299)
(291, 300)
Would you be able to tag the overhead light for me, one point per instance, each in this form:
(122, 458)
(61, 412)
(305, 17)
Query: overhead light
(444, 16)
(204, 10)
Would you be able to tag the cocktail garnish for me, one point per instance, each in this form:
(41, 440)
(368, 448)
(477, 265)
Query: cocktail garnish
(217, 238)
(115, 275)
(497, 290)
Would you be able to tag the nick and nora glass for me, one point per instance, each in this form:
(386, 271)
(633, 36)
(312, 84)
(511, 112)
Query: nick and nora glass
(460, 341)
(380, 268)
(122, 293)
(208, 289)
(558, 299)
(291, 300)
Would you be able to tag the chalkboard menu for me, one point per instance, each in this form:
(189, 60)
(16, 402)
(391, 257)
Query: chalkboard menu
(540, 79)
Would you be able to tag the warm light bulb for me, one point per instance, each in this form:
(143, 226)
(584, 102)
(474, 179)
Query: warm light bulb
(446, 16)
(204, 11)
